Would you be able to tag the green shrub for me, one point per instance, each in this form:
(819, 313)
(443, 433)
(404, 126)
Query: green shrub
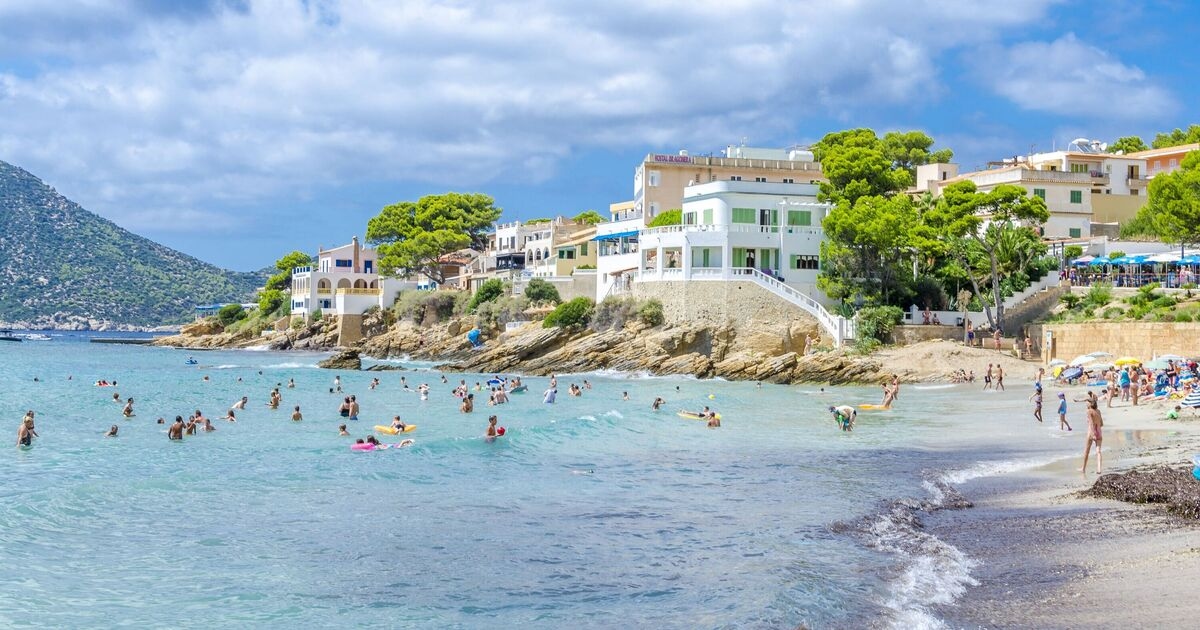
(488, 291)
(540, 291)
(430, 307)
(613, 312)
(930, 294)
(574, 314)
(1113, 312)
(1099, 294)
(1115, 254)
(669, 217)
(230, 313)
(1183, 317)
(298, 323)
(270, 301)
(585, 267)
(316, 315)
(1163, 301)
(1072, 252)
(1071, 299)
(876, 322)
(651, 313)
(498, 312)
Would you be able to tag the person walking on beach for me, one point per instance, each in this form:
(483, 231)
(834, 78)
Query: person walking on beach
(1136, 389)
(999, 378)
(1037, 401)
(1124, 383)
(987, 377)
(1094, 436)
(996, 338)
(1062, 412)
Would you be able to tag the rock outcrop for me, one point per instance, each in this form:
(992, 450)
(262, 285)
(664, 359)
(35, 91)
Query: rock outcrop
(344, 360)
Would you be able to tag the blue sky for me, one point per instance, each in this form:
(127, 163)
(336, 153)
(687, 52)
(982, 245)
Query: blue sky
(238, 131)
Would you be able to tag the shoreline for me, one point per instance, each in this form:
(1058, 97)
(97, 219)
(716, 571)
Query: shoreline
(1046, 556)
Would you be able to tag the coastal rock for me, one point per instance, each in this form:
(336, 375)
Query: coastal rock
(344, 360)
(201, 327)
(385, 367)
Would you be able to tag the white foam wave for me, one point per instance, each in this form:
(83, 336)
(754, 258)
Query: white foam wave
(613, 414)
(927, 387)
(588, 418)
(224, 366)
(998, 467)
(260, 348)
(289, 365)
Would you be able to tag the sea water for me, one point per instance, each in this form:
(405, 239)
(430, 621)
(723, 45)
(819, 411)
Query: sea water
(594, 512)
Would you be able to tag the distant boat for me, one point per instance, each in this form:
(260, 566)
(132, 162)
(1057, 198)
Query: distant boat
(7, 335)
(34, 337)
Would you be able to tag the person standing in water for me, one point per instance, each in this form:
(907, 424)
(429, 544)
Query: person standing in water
(25, 432)
(658, 402)
(1094, 436)
(491, 432)
(1037, 401)
(128, 410)
(297, 416)
(175, 432)
(1062, 412)
(844, 416)
(112, 431)
(353, 408)
(468, 404)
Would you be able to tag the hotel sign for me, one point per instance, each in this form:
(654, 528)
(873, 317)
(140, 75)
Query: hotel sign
(666, 157)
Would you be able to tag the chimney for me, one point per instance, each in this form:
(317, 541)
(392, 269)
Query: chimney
(354, 242)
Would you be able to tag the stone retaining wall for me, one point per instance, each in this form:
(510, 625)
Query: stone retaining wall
(1138, 339)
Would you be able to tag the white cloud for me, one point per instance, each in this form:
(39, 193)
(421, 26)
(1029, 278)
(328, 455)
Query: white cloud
(1070, 77)
(231, 103)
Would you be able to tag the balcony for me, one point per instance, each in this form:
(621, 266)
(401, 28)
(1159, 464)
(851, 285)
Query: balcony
(356, 291)
(1137, 182)
(324, 291)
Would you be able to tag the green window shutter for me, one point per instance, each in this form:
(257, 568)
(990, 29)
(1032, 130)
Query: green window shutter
(583, 248)
(1040, 193)
(774, 217)
(1074, 232)
(708, 216)
(1076, 196)
(799, 218)
(744, 215)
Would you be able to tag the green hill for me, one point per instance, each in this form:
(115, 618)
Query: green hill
(64, 267)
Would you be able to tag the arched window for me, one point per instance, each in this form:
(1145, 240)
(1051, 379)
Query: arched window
(360, 284)
(343, 284)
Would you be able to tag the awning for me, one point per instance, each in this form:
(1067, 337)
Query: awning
(615, 235)
(576, 241)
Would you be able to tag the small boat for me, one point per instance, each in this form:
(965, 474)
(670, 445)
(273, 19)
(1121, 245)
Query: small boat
(34, 337)
(7, 335)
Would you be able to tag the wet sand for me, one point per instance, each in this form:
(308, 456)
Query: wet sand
(1049, 558)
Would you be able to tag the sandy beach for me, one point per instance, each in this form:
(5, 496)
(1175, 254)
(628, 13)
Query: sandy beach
(1049, 558)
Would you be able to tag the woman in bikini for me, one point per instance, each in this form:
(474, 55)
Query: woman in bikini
(1094, 435)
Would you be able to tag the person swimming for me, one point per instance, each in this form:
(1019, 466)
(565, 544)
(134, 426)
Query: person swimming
(658, 402)
(342, 430)
(398, 425)
(112, 431)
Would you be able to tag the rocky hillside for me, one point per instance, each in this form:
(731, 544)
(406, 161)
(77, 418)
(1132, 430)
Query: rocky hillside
(64, 267)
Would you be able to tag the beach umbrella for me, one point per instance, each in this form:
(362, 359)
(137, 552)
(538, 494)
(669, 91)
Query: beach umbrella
(1100, 355)
(1054, 362)
(1081, 359)
(1171, 357)
(1071, 373)
(1164, 257)
(1192, 400)
(1082, 260)
(1099, 262)
(1127, 361)
(1158, 364)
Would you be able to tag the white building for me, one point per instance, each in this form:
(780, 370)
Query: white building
(733, 229)
(617, 249)
(344, 281)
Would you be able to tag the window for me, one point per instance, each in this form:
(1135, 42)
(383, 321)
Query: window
(708, 216)
(653, 178)
(743, 215)
(566, 254)
(653, 209)
(760, 179)
(799, 217)
(1173, 163)
(805, 262)
(735, 178)
(343, 262)
(1076, 196)
(689, 218)
(1040, 193)
(1133, 192)
(1074, 232)
(1079, 168)
(583, 248)
(789, 180)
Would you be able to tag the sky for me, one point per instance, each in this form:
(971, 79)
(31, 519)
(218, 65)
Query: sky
(239, 130)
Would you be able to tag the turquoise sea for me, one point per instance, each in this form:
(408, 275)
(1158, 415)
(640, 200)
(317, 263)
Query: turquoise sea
(593, 512)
